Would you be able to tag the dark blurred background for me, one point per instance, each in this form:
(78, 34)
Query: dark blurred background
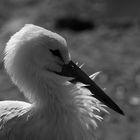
(103, 34)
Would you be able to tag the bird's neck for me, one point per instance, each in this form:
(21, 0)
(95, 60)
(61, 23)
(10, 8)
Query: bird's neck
(56, 106)
(53, 96)
(62, 115)
(43, 91)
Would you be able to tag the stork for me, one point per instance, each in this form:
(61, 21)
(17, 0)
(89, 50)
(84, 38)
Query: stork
(63, 100)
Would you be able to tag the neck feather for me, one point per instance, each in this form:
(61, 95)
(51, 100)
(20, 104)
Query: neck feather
(42, 88)
(54, 98)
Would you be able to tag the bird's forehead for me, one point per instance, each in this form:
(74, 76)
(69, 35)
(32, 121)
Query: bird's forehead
(31, 36)
(48, 38)
(42, 36)
(32, 31)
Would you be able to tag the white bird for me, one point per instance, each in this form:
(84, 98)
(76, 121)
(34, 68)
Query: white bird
(61, 104)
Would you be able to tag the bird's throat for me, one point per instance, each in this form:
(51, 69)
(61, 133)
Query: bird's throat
(49, 95)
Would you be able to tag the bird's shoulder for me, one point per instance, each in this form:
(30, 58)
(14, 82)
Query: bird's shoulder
(11, 110)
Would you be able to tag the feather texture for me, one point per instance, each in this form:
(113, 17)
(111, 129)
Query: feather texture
(75, 120)
(58, 109)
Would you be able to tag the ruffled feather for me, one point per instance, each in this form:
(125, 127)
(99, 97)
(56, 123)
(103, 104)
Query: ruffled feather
(87, 105)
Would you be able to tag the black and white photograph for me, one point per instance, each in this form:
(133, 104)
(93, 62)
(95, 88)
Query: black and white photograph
(69, 70)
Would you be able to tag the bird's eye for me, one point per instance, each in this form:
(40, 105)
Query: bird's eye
(56, 53)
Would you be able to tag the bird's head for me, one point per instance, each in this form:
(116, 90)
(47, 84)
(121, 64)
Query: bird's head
(35, 53)
(35, 50)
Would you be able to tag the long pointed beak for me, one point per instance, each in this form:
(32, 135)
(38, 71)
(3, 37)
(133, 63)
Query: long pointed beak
(72, 70)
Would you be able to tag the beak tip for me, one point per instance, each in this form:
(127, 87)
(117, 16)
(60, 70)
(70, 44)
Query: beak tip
(121, 112)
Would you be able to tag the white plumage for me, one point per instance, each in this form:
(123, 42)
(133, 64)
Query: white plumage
(58, 109)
